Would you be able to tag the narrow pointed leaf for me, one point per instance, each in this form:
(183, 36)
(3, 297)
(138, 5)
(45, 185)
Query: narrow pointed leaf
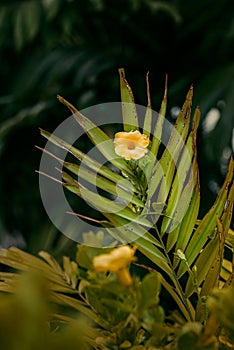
(157, 134)
(98, 137)
(77, 305)
(167, 164)
(187, 226)
(175, 146)
(130, 231)
(23, 261)
(129, 113)
(210, 282)
(172, 238)
(148, 114)
(117, 190)
(180, 210)
(203, 263)
(213, 274)
(212, 277)
(104, 184)
(228, 210)
(165, 267)
(91, 163)
(179, 302)
(207, 226)
(189, 220)
(178, 203)
(51, 261)
(180, 193)
(104, 205)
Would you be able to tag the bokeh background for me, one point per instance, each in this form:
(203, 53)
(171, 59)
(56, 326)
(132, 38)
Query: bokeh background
(74, 48)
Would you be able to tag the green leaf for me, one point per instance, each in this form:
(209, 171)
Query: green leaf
(71, 271)
(227, 272)
(212, 278)
(177, 203)
(77, 305)
(182, 186)
(51, 261)
(91, 163)
(189, 220)
(95, 239)
(126, 231)
(23, 261)
(179, 211)
(157, 134)
(187, 225)
(103, 183)
(227, 215)
(85, 255)
(165, 168)
(104, 205)
(203, 265)
(229, 241)
(150, 289)
(110, 301)
(97, 136)
(174, 293)
(129, 113)
(174, 147)
(117, 190)
(207, 226)
(148, 115)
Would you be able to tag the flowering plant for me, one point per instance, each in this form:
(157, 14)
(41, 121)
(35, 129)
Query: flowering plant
(155, 183)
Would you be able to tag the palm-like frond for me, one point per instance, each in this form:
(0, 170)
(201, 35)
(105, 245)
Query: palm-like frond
(177, 244)
(172, 180)
(62, 283)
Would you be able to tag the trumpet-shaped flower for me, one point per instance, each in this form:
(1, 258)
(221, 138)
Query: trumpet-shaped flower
(131, 145)
(116, 261)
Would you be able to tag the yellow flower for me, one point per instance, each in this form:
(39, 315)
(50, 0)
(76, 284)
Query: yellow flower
(116, 261)
(131, 145)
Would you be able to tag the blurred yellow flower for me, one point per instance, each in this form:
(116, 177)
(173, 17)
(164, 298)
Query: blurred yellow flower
(116, 261)
(131, 145)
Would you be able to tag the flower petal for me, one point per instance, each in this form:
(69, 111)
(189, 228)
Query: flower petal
(131, 145)
(117, 259)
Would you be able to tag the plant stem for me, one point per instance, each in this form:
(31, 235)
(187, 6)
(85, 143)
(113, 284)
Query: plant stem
(176, 282)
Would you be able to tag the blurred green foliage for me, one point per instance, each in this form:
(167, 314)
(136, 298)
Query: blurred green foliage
(74, 47)
(25, 320)
(52, 307)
